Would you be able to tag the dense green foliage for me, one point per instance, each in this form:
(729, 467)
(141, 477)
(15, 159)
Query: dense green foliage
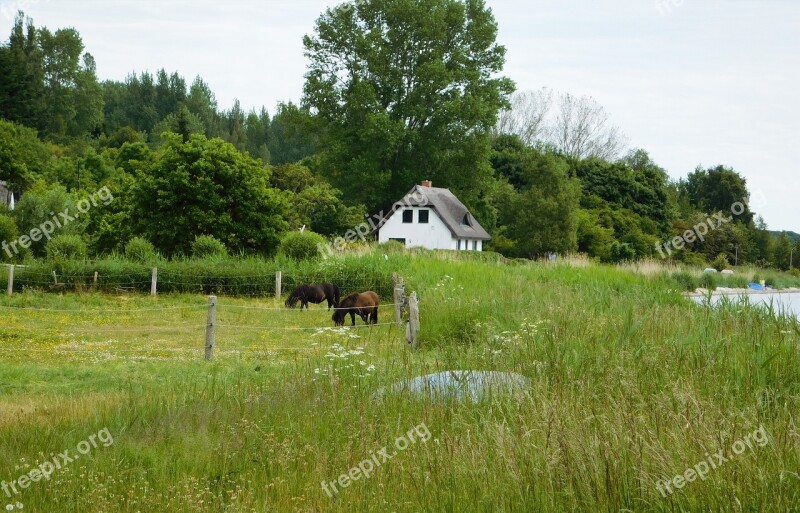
(405, 90)
(206, 246)
(396, 92)
(64, 248)
(301, 245)
(140, 251)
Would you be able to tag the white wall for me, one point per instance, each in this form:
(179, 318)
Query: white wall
(434, 235)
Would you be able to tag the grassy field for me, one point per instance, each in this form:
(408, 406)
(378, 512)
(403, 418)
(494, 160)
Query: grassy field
(631, 386)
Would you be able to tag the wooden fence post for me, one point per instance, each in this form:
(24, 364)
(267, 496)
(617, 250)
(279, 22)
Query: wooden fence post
(211, 327)
(55, 278)
(412, 328)
(10, 280)
(154, 282)
(278, 277)
(95, 279)
(399, 298)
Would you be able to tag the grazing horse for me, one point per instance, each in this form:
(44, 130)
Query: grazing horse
(314, 294)
(364, 304)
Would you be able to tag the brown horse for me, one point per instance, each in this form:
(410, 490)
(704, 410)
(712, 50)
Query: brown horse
(314, 294)
(364, 304)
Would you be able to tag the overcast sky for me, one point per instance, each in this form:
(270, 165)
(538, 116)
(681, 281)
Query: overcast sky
(693, 82)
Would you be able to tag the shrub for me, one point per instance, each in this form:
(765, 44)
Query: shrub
(208, 246)
(66, 247)
(8, 234)
(140, 250)
(301, 245)
(721, 262)
(687, 281)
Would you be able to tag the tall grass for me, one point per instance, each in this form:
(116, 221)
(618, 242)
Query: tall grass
(630, 384)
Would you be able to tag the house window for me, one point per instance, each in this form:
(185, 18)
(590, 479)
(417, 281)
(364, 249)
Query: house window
(401, 241)
(474, 245)
(466, 220)
(408, 216)
(458, 245)
(423, 216)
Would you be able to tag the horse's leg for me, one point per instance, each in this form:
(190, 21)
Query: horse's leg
(374, 316)
(353, 317)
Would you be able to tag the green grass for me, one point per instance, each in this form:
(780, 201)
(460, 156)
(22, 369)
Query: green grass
(631, 383)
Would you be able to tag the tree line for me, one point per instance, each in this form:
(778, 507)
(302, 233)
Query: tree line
(397, 91)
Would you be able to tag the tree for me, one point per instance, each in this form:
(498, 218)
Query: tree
(292, 134)
(315, 203)
(206, 187)
(23, 157)
(541, 216)
(22, 79)
(43, 203)
(528, 116)
(405, 90)
(582, 129)
(781, 252)
(718, 189)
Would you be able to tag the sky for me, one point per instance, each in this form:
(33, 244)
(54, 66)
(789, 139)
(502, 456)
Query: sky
(693, 82)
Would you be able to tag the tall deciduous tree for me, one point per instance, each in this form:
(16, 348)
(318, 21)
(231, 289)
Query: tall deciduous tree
(718, 189)
(406, 90)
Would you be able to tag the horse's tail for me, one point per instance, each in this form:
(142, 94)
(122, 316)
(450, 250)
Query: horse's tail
(336, 294)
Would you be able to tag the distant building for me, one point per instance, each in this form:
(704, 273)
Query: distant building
(432, 218)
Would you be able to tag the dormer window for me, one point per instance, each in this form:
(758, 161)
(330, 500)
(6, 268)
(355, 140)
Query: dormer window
(466, 221)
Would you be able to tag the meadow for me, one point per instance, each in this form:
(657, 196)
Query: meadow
(631, 385)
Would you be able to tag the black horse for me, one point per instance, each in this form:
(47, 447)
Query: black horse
(364, 304)
(314, 294)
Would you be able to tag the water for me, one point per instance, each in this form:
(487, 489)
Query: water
(781, 302)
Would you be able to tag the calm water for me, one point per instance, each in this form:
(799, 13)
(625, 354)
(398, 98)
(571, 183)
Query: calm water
(789, 303)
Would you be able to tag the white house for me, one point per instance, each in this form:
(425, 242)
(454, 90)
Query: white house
(433, 218)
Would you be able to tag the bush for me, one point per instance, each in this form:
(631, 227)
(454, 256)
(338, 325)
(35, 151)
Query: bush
(208, 246)
(721, 262)
(301, 245)
(66, 247)
(687, 281)
(9, 234)
(140, 250)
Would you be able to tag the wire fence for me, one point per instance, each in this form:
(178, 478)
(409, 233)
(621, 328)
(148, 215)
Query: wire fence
(214, 281)
(100, 332)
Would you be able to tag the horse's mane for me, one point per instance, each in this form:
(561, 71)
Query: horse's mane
(349, 299)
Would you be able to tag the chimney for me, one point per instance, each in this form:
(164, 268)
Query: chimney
(427, 183)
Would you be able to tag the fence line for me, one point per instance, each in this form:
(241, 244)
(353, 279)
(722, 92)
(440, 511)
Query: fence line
(103, 310)
(212, 326)
(306, 328)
